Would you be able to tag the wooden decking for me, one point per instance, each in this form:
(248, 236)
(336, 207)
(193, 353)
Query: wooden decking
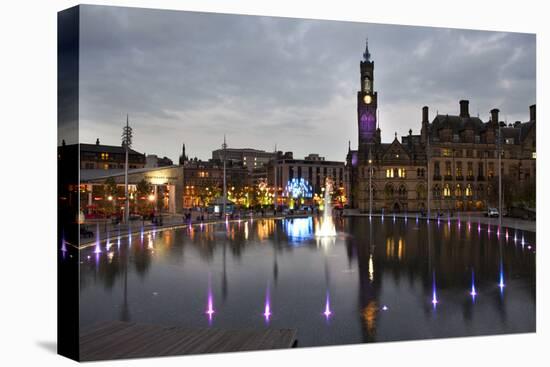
(117, 339)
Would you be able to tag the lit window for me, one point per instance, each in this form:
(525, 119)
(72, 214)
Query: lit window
(458, 191)
(389, 173)
(469, 190)
(446, 152)
(447, 191)
(534, 155)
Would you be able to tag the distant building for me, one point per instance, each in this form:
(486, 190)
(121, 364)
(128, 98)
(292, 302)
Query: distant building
(108, 157)
(203, 180)
(249, 158)
(152, 160)
(312, 171)
(454, 156)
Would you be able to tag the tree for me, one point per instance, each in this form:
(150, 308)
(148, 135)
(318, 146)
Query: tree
(110, 186)
(143, 188)
(110, 191)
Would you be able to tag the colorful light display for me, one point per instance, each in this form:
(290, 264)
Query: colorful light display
(298, 188)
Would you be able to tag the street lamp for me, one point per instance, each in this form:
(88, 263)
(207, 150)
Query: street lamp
(370, 186)
(126, 143)
(224, 147)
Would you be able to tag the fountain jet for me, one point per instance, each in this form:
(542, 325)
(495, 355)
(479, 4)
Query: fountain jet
(327, 225)
(327, 312)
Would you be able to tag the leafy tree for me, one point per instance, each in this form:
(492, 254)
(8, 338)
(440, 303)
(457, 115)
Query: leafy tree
(143, 188)
(110, 187)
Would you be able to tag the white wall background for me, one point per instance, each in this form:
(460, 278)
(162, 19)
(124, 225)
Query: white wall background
(28, 156)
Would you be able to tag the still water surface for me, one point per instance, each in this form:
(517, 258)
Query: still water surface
(378, 280)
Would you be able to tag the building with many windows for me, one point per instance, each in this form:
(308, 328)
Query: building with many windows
(313, 171)
(454, 156)
(108, 157)
(250, 158)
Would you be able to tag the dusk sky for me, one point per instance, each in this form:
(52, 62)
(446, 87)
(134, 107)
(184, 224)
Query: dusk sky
(186, 77)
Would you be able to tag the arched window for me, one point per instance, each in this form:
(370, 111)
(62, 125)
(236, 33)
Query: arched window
(446, 191)
(437, 191)
(421, 192)
(458, 191)
(402, 192)
(469, 190)
(388, 191)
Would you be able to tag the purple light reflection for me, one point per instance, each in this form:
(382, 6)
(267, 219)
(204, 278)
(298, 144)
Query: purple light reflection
(327, 312)
(210, 302)
(501, 284)
(473, 292)
(435, 301)
(267, 309)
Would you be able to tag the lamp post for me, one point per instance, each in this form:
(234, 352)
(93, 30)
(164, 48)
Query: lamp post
(276, 183)
(499, 149)
(370, 184)
(224, 147)
(126, 143)
(428, 171)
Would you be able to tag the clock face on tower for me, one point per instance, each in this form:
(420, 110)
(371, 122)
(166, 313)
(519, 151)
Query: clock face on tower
(367, 99)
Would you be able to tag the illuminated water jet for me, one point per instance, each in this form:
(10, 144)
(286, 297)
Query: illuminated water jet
(97, 247)
(327, 228)
(473, 292)
(435, 301)
(501, 284)
(267, 308)
(210, 301)
(327, 312)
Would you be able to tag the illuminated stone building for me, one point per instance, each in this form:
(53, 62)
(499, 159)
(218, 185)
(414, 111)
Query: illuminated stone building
(459, 152)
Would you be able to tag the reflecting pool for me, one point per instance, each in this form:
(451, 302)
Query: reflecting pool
(377, 280)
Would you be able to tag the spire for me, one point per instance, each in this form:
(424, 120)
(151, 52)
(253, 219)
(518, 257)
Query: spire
(349, 145)
(366, 54)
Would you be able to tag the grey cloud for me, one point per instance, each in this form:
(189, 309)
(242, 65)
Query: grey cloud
(192, 77)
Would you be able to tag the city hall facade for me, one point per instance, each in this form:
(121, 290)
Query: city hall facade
(455, 157)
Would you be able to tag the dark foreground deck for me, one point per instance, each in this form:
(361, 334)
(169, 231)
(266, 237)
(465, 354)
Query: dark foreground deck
(117, 339)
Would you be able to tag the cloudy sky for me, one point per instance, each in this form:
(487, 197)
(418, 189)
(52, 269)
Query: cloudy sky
(191, 77)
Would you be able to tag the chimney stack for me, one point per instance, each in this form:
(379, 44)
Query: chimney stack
(425, 112)
(97, 141)
(533, 112)
(464, 108)
(494, 115)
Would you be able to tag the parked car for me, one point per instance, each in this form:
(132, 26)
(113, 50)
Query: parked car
(492, 213)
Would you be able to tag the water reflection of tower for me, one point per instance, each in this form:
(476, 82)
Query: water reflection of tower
(369, 283)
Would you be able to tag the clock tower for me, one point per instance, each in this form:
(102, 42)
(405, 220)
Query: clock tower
(367, 103)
